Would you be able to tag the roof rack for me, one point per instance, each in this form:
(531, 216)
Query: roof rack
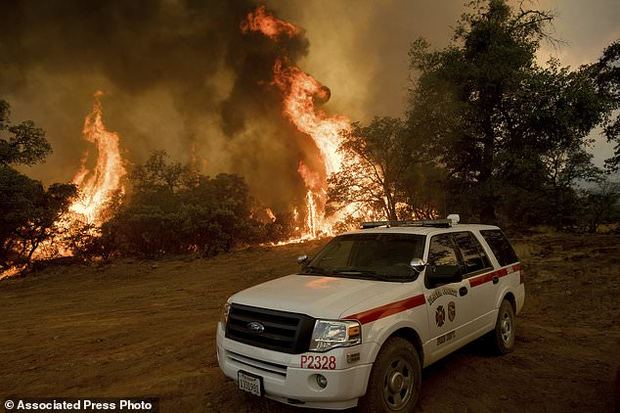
(439, 223)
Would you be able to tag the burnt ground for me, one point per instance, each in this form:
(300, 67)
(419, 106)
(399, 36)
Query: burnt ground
(148, 328)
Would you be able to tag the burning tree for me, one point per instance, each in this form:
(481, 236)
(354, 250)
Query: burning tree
(43, 224)
(375, 162)
(302, 97)
(29, 213)
(385, 173)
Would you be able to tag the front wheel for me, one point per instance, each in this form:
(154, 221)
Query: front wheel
(395, 379)
(503, 338)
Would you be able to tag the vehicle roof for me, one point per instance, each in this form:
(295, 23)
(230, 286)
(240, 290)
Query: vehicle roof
(422, 230)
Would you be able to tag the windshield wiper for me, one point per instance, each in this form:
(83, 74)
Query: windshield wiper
(360, 271)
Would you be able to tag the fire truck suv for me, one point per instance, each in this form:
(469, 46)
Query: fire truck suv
(359, 321)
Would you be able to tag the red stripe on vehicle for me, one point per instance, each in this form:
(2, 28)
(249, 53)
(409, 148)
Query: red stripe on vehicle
(488, 277)
(517, 267)
(375, 314)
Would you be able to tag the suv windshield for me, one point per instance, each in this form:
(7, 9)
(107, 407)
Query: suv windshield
(384, 257)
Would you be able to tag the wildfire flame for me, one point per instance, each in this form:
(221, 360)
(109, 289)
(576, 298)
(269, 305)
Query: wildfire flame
(267, 24)
(270, 214)
(97, 186)
(311, 178)
(302, 94)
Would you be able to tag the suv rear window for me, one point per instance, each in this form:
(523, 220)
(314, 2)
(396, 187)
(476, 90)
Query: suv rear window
(473, 255)
(500, 246)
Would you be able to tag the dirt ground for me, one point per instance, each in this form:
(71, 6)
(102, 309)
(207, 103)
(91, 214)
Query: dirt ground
(147, 328)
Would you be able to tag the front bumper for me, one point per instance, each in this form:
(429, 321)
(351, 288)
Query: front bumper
(286, 381)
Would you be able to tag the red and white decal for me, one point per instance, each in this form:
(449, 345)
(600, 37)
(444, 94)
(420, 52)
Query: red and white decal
(318, 362)
(377, 313)
(488, 277)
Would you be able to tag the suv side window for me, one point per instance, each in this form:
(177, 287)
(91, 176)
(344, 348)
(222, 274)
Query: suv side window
(472, 252)
(442, 255)
(500, 246)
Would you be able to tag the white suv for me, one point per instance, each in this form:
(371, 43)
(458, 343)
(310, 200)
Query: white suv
(362, 318)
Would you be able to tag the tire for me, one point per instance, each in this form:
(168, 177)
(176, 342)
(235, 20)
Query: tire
(503, 337)
(395, 379)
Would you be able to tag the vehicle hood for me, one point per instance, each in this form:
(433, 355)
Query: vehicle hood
(316, 296)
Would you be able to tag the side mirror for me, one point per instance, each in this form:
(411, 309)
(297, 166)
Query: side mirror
(303, 259)
(417, 265)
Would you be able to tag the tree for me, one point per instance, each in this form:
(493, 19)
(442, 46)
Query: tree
(606, 73)
(423, 188)
(600, 205)
(495, 119)
(374, 164)
(549, 120)
(171, 209)
(26, 144)
(29, 213)
(160, 173)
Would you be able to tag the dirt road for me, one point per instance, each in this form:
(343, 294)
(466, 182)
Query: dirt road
(147, 328)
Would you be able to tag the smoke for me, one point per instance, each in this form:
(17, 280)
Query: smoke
(360, 48)
(178, 75)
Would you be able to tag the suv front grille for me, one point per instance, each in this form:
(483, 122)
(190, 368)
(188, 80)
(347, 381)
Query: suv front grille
(283, 331)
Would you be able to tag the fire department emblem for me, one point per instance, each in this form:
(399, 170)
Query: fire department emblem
(440, 316)
(451, 311)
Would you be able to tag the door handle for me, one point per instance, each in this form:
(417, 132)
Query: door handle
(463, 291)
(495, 279)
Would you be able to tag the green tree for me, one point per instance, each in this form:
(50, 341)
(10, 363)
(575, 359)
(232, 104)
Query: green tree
(493, 117)
(599, 205)
(21, 143)
(606, 73)
(171, 209)
(546, 156)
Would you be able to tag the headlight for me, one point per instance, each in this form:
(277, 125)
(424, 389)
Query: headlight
(330, 334)
(224, 315)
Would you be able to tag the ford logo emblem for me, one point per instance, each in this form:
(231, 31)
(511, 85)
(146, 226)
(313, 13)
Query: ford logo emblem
(256, 327)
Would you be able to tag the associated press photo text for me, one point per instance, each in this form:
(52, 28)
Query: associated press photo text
(130, 404)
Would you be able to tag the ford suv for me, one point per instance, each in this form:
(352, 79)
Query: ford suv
(359, 321)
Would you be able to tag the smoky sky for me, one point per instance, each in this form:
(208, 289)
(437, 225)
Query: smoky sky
(179, 75)
(359, 47)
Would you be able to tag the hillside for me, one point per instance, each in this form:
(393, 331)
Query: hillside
(148, 328)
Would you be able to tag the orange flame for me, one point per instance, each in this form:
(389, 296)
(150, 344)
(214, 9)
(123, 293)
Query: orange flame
(98, 185)
(311, 178)
(270, 214)
(267, 24)
(302, 95)
(302, 91)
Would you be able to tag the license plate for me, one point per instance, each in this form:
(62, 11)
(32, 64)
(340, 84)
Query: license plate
(250, 383)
